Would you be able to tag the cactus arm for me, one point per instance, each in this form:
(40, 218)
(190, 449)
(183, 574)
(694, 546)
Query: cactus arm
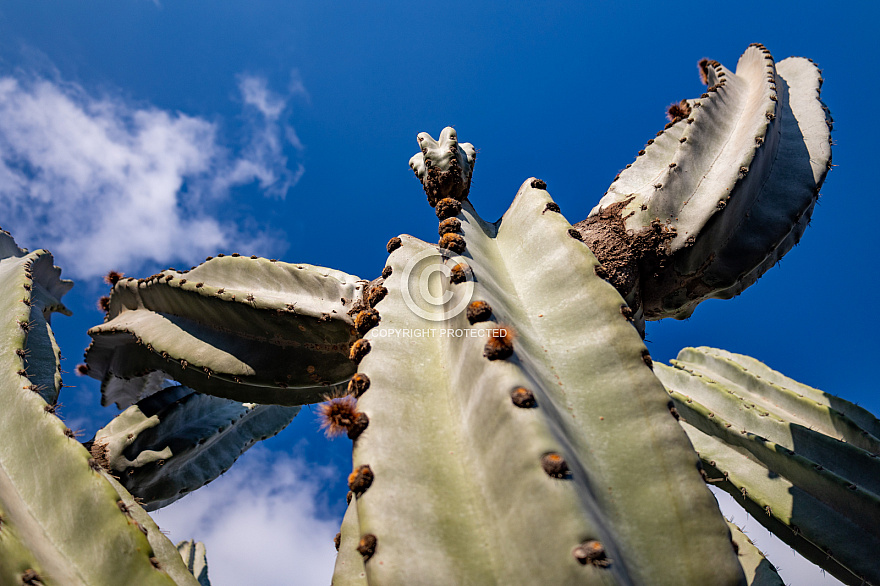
(459, 487)
(176, 441)
(349, 569)
(720, 195)
(46, 528)
(250, 330)
(196, 559)
(809, 471)
(759, 572)
(833, 414)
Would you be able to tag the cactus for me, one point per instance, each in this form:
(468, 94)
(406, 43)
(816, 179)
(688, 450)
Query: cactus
(91, 531)
(524, 479)
(176, 441)
(507, 424)
(805, 463)
(233, 324)
(721, 193)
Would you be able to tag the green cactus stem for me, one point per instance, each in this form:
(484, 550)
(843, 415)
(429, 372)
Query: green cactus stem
(472, 486)
(808, 471)
(176, 441)
(245, 329)
(62, 520)
(722, 193)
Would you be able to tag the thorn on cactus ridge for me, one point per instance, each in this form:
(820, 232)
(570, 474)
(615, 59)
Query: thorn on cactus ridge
(104, 304)
(703, 66)
(376, 294)
(676, 112)
(448, 208)
(478, 311)
(31, 578)
(555, 465)
(539, 184)
(500, 343)
(361, 479)
(671, 406)
(453, 242)
(366, 320)
(386, 272)
(460, 273)
(367, 546)
(523, 398)
(358, 350)
(591, 552)
(551, 207)
(337, 540)
(393, 245)
(448, 226)
(113, 277)
(340, 415)
(646, 356)
(358, 384)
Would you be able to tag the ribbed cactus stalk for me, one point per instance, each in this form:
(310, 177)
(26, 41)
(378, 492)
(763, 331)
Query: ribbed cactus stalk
(63, 520)
(252, 330)
(806, 464)
(508, 427)
(720, 194)
(177, 440)
(470, 481)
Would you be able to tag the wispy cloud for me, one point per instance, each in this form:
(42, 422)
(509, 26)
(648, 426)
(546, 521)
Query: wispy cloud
(260, 522)
(105, 183)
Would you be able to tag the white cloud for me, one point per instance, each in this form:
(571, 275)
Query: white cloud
(792, 567)
(107, 184)
(260, 522)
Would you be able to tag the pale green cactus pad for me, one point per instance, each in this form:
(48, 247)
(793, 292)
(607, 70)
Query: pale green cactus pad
(467, 483)
(722, 193)
(806, 464)
(246, 329)
(175, 441)
(62, 520)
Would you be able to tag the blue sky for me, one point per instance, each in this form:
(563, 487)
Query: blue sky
(152, 134)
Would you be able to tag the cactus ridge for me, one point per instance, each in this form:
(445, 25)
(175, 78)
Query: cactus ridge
(456, 435)
(759, 572)
(41, 532)
(176, 441)
(784, 453)
(231, 327)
